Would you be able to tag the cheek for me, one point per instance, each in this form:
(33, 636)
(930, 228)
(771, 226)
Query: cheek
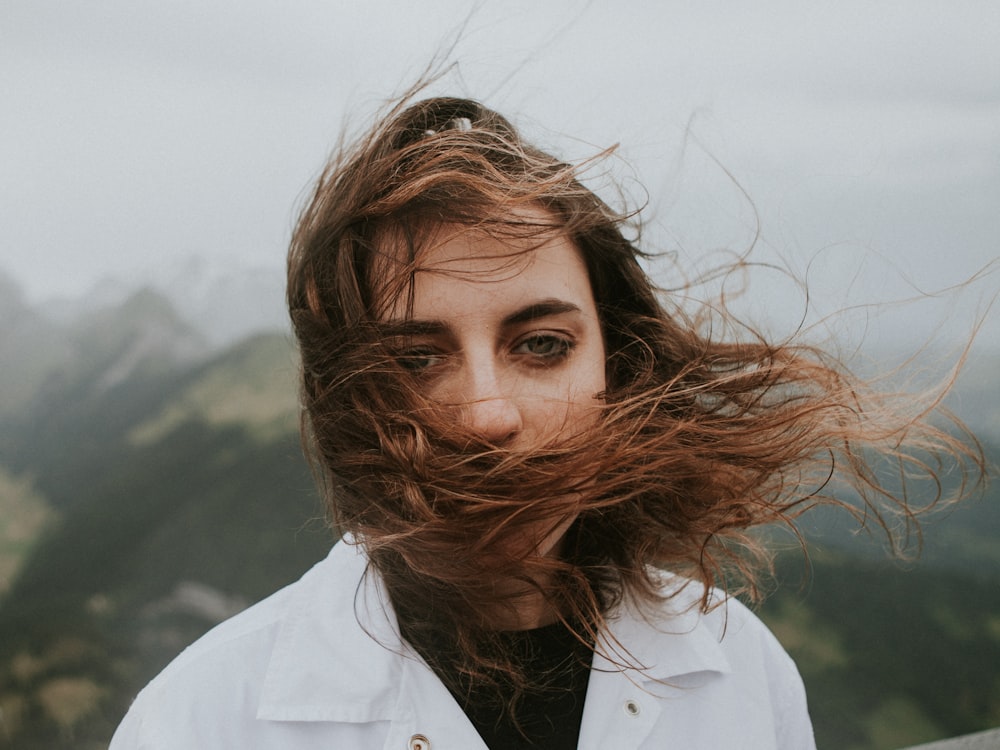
(590, 378)
(575, 404)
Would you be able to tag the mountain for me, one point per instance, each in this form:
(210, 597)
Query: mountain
(225, 299)
(892, 654)
(96, 350)
(112, 366)
(30, 346)
(158, 486)
(166, 488)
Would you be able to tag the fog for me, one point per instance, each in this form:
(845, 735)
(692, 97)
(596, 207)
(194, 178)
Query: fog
(855, 145)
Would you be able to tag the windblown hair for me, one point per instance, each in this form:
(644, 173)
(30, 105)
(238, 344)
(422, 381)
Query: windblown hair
(700, 442)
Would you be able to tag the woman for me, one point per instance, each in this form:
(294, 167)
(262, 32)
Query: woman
(544, 472)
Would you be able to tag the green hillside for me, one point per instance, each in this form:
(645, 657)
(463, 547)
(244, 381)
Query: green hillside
(180, 496)
(891, 656)
(149, 490)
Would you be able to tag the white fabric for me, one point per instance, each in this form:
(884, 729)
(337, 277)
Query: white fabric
(319, 664)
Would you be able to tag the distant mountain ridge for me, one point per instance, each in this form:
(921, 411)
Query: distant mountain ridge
(175, 489)
(175, 493)
(98, 348)
(224, 300)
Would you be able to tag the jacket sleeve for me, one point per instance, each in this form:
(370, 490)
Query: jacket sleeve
(793, 727)
(128, 734)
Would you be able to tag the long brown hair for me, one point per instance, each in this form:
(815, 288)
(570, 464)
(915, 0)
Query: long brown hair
(704, 437)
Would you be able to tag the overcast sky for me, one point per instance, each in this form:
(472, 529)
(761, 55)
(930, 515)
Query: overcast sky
(866, 134)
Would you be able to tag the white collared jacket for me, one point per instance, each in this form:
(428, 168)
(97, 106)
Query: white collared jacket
(320, 664)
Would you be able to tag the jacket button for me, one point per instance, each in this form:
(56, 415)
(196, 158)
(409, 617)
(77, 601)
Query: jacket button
(632, 708)
(419, 742)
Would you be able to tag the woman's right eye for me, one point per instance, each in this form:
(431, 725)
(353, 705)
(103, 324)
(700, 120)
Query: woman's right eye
(419, 360)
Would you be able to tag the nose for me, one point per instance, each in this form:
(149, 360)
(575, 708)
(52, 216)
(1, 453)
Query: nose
(495, 420)
(489, 409)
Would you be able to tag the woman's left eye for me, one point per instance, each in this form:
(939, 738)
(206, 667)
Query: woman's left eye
(543, 346)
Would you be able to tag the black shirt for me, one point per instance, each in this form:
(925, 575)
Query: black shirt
(547, 716)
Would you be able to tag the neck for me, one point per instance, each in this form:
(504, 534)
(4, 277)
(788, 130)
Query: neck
(523, 606)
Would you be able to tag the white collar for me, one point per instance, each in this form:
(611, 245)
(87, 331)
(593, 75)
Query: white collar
(338, 655)
(673, 641)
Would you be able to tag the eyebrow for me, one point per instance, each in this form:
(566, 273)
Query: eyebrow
(542, 309)
(535, 311)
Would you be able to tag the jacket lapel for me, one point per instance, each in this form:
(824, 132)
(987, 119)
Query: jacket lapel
(324, 666)
(640, 663)
(338, 657)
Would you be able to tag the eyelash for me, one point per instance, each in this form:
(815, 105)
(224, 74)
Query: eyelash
(563, 346)
(411, 360)
(555, 349)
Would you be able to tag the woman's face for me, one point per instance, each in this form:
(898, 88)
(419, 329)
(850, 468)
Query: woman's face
(505, 333)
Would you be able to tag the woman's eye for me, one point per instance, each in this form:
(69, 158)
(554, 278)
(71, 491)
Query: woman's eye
(418, 360)
(544, 347)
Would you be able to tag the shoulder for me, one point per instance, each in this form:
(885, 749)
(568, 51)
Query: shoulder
(241, 634)
(709, 658)
(690, 629)
(739, 631)
(760, 662)
(747, 643)
(204, 675)
(220, 674)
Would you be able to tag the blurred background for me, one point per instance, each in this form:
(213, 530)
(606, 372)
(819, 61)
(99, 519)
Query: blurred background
(153, 159)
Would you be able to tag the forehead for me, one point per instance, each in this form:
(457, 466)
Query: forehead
(454, 266)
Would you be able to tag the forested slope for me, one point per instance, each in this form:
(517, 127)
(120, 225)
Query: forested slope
(153, 487)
